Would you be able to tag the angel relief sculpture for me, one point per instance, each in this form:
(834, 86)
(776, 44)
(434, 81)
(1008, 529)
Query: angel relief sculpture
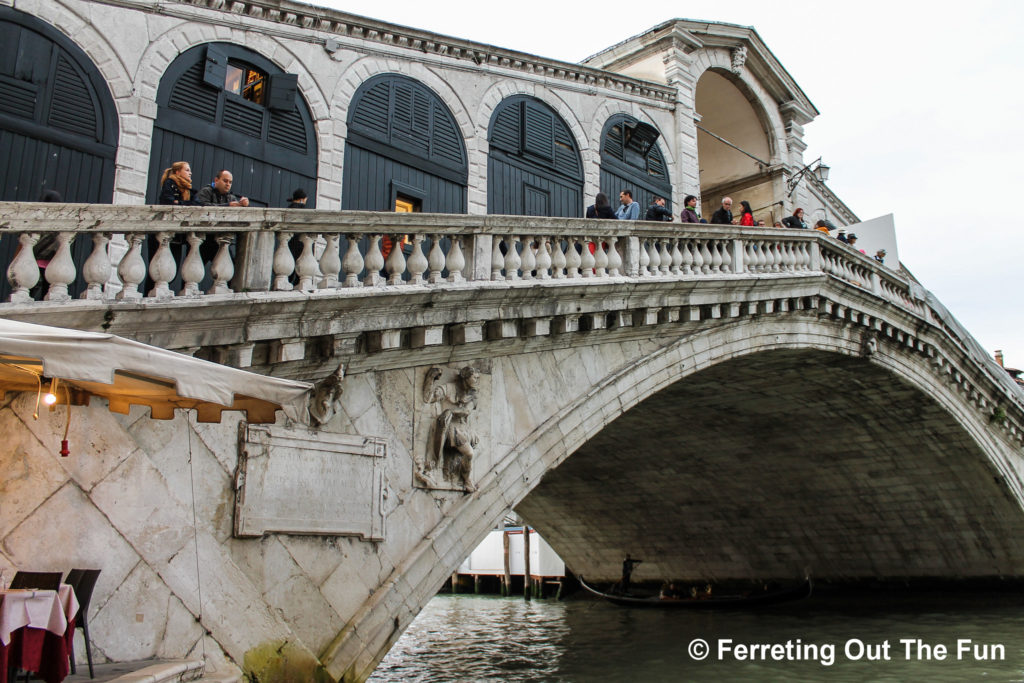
(451, 443)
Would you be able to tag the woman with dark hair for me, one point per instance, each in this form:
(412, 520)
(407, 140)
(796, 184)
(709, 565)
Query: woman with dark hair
(746, 214)
(600, 208)
(176, 184)
(796, 220)
(689, 214)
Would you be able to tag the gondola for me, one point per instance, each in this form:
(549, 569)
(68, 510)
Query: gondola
(726, 601)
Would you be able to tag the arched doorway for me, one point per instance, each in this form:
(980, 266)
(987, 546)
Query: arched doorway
(533, 166)
(225, 106)
(404, 151)
(631, 159)
(733, 147)
(58, 124)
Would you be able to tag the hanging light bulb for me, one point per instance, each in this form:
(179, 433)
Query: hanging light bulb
(50, 397)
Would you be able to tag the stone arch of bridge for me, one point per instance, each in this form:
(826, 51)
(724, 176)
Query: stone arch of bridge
(553, 441)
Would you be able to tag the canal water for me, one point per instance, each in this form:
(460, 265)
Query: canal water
(937, 636)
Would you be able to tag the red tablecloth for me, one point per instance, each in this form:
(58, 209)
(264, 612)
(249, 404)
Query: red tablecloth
(40, 635)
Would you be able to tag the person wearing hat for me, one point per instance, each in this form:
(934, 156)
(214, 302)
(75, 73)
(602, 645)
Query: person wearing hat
(298, 199)
(880, 255)
(842, 235)
(851, 239)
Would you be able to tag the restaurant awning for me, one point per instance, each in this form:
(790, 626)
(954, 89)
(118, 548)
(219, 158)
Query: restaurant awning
(129, 373)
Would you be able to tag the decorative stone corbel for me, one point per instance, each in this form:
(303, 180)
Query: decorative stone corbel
(325, 397)
(868, 344)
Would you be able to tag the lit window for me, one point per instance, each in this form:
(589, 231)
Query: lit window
(247, 82)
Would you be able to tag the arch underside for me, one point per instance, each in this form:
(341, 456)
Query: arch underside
(778, 463)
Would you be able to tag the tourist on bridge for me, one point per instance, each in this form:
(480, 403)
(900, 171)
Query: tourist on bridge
(176, 185)
(630, 210)
(689, 214)
(298, 199)
(747, 214)
(219, 193)
(601, 208)
(657, 211)
(724, 215)
(796, 220)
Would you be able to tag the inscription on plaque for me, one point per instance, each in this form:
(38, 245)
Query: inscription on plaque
(302, 481)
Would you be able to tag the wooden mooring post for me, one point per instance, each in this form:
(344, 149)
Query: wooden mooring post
(527, 582)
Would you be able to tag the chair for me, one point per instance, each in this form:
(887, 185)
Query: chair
(49, 581)
(82, 581)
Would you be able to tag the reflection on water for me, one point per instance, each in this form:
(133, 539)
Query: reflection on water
(474, 638)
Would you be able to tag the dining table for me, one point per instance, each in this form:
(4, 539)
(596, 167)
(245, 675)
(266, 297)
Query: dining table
(36, 628)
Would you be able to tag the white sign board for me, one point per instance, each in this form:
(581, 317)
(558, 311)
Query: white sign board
(304, 481)
(875, 234)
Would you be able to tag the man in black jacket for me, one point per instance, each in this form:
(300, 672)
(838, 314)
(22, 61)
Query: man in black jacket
(724, 215)
(657, 211)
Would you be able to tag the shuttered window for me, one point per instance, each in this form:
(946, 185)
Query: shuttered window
(409, 120)
(527, 128)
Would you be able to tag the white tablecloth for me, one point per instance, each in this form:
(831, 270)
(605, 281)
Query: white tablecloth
(49, 610)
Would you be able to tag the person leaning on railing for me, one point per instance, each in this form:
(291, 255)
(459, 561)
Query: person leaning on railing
(176, 185)
(689, 214)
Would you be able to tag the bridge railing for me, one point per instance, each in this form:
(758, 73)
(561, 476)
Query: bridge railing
(160, 253)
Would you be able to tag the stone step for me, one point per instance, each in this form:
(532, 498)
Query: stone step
(171, 671)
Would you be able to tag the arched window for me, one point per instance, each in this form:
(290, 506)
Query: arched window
(224, 106)
(58, 124)
(631, 159)
(404, 151)
(533, 163)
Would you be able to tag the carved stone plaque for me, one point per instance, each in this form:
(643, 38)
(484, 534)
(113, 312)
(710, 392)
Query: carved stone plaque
(303, 481)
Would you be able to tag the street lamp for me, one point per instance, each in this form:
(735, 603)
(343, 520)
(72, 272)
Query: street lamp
(816, 167)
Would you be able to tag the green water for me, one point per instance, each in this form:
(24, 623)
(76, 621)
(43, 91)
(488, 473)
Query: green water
(961, 637)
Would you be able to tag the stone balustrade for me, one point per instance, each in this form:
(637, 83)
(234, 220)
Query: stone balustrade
(162, 252)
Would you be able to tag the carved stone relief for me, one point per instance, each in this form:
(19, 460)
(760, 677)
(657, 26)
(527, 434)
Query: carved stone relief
(739, 58)
(450, 439)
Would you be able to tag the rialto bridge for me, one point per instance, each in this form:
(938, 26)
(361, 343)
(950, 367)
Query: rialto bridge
(724, 402)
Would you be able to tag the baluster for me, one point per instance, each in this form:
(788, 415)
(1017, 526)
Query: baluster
(705, 256)
(716, 256)
(374, 262)
(417, 261)
(654, 265)
(572, 259)
(528, 257)
(305, 267)
(456, 262)
(23, 273)
(770, 263)
(677, 257)
(697, 267)
(396, 261)
(543, 257)
(779, 266)
(600, 258)
(762, 257)
(60, 271)
(161, 267)
(353, 262)
(664, 256)
(645, 259)
(192, 269)
(791, 257)
(557, 259)
(222, 269)
(96, 270)
(497, 260)
(614, 258)
(512, 260)
(284, 262)
(687, 253)
(330, 263)
(131, 270)
(435, 261)
(723, 247)
(587, 260)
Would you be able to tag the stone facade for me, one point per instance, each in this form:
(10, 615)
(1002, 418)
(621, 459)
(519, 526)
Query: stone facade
(333, 53)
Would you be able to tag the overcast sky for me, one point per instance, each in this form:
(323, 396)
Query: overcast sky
(921, 109)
